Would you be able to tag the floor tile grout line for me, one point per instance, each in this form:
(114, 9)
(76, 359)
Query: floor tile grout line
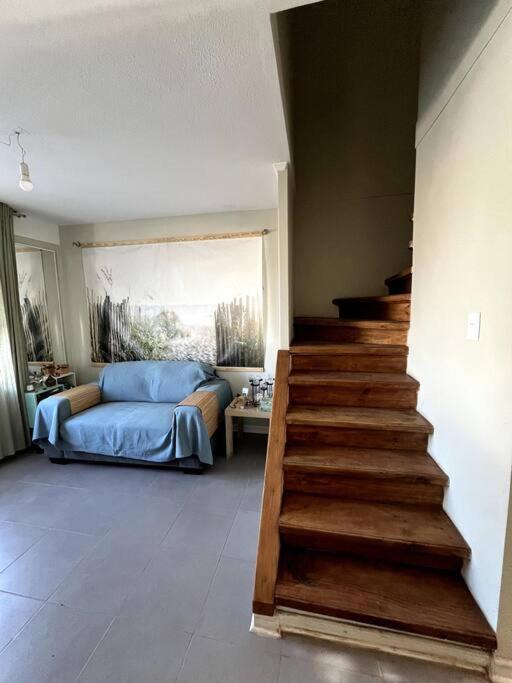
(27, 524)
(214, 574)
(184, 658)
(24, 552)
(20, 630)
(83, 559)
(151, 559)
(215, 571)
(173, 523)
(242, 481)
(57, 528)
(94, 649)
(72, 569)
(22, 595)
(134, 579)
(89, 489)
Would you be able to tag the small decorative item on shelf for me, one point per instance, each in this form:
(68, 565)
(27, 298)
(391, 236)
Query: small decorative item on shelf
(255, 383)
(48, 372)
(266, 405)
(36, 380)
(239, 403)
(61, 369)
(260, 394)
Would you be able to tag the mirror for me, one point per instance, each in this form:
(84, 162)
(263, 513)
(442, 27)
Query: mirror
(38, 286)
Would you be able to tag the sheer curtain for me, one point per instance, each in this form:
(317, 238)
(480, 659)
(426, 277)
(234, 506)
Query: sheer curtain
(12, 433)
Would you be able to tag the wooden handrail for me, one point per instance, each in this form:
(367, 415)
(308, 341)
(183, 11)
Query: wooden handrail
(267, 562)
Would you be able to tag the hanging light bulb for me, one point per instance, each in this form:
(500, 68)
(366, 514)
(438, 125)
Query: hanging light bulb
(25, 183)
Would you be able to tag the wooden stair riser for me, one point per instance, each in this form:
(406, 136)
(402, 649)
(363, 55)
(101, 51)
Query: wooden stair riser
(358, 438)
(349, 363)
(375, 310)
(373, 489)
(365, 396)
(354, 335)
(376, 549)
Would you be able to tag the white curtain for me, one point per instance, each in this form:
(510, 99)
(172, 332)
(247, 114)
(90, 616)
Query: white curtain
(12, 436)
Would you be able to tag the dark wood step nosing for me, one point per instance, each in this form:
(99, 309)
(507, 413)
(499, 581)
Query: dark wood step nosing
(318, 348)
(462, 552)
(437, 479)
(404, 298)
(353, 379)
(389, 325)
(357, 426)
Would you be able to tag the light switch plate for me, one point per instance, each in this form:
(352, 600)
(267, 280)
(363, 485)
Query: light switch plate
(473, 329)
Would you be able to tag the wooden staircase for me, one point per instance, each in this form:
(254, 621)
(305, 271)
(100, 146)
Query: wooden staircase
(352, 522)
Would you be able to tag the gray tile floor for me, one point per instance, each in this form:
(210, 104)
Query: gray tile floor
(130, 575)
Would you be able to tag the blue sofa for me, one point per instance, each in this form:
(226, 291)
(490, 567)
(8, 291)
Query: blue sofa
(147, 412)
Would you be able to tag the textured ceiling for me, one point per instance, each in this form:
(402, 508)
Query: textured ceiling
(138, 109)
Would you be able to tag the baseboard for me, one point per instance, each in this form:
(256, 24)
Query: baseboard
(500, 670)
(268, 627)
(373, 638)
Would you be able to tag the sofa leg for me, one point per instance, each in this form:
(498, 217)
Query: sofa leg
(59, 461)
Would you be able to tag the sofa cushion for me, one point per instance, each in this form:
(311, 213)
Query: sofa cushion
(161, 381)
(130, 429)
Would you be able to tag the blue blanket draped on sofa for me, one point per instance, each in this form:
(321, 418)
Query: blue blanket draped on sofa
(138, 416)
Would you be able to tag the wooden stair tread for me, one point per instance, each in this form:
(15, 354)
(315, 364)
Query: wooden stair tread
(385, 299)
(417, 527)
(328, 348)
(391, 380)
(397, 276)
(364, 462)
(368, 324)
(425, 602)
(359, 418)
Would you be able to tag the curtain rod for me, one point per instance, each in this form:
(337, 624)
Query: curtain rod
(165, 240)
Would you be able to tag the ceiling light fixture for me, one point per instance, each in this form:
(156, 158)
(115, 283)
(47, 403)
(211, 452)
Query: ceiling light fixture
(25, 182)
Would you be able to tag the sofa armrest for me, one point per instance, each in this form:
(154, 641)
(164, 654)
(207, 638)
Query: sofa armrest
(82, 397)
(208, 404)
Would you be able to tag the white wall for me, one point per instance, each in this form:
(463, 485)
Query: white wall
(462, 263)
(37, 229)
(454, 34)
(75, 308)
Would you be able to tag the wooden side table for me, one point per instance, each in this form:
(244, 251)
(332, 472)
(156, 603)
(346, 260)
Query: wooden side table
(240, 413)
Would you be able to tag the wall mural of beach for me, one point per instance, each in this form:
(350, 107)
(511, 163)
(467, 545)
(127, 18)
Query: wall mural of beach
(190, 300)
(34, 307)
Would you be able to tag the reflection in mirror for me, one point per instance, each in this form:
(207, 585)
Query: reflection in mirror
(40, 304)
(34, 306)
